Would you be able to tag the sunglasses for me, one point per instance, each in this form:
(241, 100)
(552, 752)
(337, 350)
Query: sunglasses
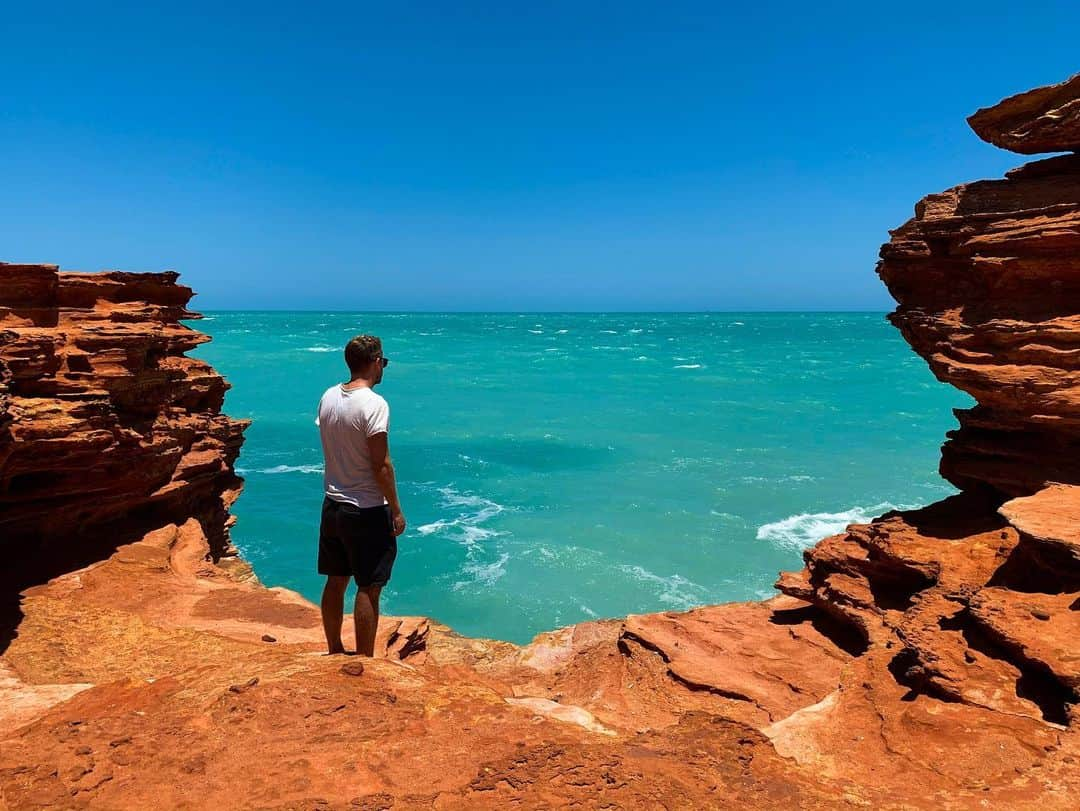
(383, 361)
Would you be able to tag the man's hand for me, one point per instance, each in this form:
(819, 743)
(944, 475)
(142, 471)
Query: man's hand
(399, 522)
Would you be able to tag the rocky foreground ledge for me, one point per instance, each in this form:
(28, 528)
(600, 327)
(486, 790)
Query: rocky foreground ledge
(929, 659)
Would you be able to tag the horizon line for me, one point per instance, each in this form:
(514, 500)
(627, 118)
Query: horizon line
(538, 312)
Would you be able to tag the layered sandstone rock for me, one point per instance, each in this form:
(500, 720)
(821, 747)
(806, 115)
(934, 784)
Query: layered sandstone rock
(107, 428)
(928, 659)
(1046, 119)
(987, 276)
(974, 602)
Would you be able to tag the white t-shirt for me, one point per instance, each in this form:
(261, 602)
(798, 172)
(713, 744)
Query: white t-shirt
(346, 419)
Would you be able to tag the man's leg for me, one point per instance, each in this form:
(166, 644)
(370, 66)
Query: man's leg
(333, 608)
(366, 617)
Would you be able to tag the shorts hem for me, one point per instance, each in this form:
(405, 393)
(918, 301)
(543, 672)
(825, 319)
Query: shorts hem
(379, 583)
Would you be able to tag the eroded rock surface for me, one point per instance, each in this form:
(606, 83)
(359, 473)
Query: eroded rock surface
(928, 659)
(107, 428)
(1046, 119)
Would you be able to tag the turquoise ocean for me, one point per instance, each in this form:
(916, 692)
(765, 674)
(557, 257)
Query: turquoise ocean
(556, 468)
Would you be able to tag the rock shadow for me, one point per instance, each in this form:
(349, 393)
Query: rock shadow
(843, 636)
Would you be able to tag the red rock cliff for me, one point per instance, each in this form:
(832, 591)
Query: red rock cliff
(987, 276)
(107, 429)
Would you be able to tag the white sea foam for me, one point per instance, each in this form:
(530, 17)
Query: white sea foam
(798, 477)
(471, 460)
(726, 516)
(320, 349)
(805, 529)
(641, 357)
(688, 366)
(561, 331)
(484, 574)
(465, 527)
(675, 590)
(292, 469)
(537, 331)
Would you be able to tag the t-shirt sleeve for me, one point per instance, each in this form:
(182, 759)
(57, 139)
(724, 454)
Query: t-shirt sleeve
(378, 418)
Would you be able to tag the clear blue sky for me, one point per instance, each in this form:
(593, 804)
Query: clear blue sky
(508, 156)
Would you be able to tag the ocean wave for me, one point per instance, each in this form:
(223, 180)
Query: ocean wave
(472, 460)
(805, 529)
(465, 527)
(688, 366)
(674, 590)
(483, 574)
(291, 469)
(726, 516)
(319, 349)
(797, 477)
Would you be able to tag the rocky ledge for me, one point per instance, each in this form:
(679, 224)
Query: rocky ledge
(107, 429)
(925, 660)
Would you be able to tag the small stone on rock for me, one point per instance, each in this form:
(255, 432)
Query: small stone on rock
(239, 688)
(353, 668)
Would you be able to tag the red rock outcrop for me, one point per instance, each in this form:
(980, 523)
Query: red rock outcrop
(1046, 119)
(928, 659)
(975, 601)
(107, 429)
(987, 276)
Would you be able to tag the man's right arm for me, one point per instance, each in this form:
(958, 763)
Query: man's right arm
(383, 468)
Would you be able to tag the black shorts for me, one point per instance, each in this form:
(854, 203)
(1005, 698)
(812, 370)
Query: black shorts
(357, 542)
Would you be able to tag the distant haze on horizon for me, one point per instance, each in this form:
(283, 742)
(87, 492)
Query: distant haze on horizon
(501, 157)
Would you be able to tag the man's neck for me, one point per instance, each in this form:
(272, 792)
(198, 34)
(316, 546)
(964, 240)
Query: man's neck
(359, 383)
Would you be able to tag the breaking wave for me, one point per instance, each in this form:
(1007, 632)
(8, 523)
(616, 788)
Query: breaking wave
(805, 529)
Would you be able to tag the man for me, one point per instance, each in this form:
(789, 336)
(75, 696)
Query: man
(361, 515)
